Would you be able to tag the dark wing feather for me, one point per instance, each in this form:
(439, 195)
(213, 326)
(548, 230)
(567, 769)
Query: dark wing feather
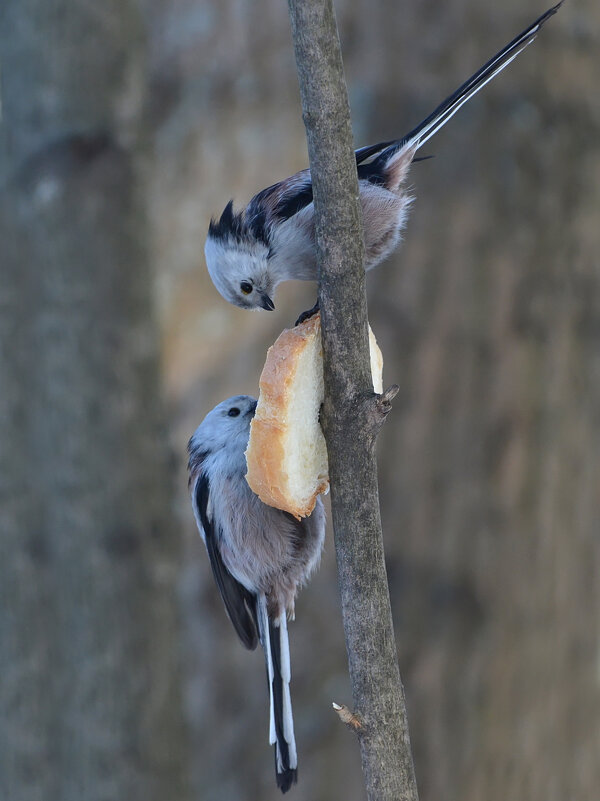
(239, 602)
(364, 153)
(293, 202)
(282, 200)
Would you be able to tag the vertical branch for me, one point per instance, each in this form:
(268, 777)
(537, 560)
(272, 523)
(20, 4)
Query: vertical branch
(352, 414)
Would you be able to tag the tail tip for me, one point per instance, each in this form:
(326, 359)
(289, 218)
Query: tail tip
(287, 778)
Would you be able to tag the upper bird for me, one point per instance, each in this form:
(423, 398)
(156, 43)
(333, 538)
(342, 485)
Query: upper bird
(248, 253)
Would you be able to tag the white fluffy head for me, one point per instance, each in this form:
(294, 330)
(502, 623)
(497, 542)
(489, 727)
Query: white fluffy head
(225, 430)
(239, 271)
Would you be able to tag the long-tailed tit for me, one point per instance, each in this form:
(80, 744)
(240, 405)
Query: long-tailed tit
(248, 253)
(260, 557)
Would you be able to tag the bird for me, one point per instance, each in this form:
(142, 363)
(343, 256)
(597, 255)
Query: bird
(249, 252)
(260, 557)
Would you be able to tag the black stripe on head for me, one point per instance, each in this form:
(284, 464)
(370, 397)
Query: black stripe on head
(229, 226)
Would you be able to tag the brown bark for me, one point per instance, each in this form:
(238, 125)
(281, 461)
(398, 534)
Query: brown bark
(352, 414)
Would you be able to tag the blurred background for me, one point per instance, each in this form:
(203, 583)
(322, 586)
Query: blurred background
(124, 126)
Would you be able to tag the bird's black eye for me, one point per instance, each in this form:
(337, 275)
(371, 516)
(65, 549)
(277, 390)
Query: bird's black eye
(233, 412)
(246, 287)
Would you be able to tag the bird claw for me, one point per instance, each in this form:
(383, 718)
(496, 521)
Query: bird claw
(306, 315)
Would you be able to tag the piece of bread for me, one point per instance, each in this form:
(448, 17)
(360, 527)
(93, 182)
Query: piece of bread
(286, 455)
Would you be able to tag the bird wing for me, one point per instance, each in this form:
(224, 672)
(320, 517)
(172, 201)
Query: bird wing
(282, 200)
(239, 602)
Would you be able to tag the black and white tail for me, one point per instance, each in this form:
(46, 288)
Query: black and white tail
(274, 640)
(448, 108)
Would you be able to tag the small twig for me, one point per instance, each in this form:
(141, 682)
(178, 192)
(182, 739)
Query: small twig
(384, 401)
(347, 716)
(375, 409)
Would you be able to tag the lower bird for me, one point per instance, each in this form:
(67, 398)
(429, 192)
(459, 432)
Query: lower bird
(248, 253)
(260, 557)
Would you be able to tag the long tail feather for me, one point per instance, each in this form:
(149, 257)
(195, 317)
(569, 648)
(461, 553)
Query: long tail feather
(274, 639)
(448, 107)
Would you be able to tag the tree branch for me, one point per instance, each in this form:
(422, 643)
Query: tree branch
(352, 413)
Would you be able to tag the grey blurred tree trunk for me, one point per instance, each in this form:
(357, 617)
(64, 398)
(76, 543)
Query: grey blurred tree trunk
(90, 702)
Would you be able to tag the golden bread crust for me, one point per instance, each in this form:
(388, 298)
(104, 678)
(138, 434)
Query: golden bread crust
(272, 426)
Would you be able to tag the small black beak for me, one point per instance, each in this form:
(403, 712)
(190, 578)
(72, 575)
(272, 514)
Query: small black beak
(267, 303)
(252, 409)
